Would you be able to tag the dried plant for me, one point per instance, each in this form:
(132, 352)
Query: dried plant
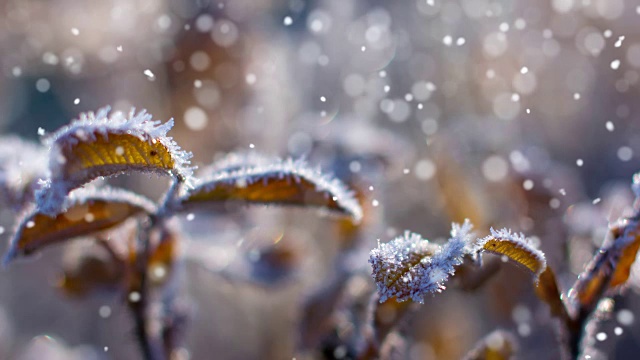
(141, 241)
(411, 268)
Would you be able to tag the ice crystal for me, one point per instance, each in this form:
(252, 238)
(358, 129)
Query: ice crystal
(410, 267)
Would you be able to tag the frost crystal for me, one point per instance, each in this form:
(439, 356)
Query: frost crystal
(235, 161)
(139, 124)
(87, 128)
(410, 267)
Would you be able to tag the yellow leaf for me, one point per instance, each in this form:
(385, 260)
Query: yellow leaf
(516, 248)
(101, 145)
(105, 156)
(281, 183)
(87, 212)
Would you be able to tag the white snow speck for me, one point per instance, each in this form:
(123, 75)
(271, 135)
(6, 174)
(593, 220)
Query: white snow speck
(150, 75)
(615, 64)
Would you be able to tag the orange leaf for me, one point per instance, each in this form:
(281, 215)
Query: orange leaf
(281, 183)
(88, 212)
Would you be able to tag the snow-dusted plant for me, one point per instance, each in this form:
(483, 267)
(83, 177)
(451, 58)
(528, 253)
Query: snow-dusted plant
(411, 268)
(139, 234)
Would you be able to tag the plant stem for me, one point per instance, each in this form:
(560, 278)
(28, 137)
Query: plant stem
(151, 350)
(379, 331)
(138, 304)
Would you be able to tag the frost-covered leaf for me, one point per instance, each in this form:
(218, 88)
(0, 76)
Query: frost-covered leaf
(280, 182)
(410, 267)
(517, 248)
(22, 163)
(88, 211)
(610, 267)
(498, 345)
(104, 144)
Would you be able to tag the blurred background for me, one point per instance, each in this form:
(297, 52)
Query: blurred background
(511, 113)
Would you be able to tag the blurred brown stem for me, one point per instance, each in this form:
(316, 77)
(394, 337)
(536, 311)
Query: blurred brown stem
(138, 304)
(381, 329)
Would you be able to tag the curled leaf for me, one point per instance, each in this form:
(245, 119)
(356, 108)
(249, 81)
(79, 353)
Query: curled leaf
(609, 268)
(498, 345)
(410, 267)
(517, 248)
(628, 252)
(281, 182)
(106, 144)
(88, 211)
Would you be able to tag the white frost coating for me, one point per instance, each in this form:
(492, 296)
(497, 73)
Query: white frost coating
(110, 194)
(235, 161)
(51, 195)
(409, 267)
(79, 197)
(141, 125)
(21, 164)
(279, 169)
